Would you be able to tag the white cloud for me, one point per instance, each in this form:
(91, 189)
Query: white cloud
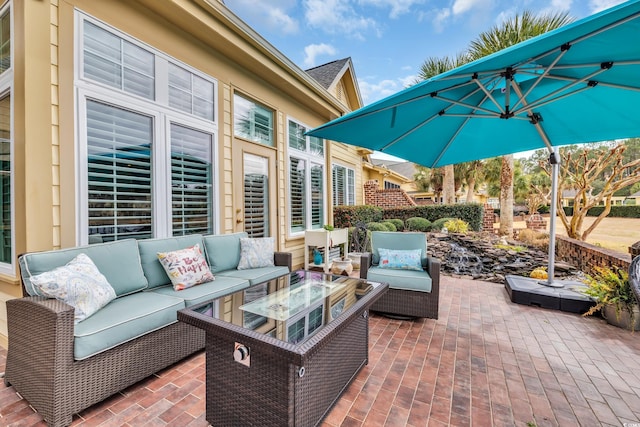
(440, 19)
(337, 17)
(599, 5)
(270, 13)
(374, 91)
(462, 6)
(314, 50)
(398, 7)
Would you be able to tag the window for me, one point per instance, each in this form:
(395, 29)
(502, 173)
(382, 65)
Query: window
(149, 147)
(306, 179)
(6, 143)
(252, 121)
(389, 185)
(5, 180)
(343, 185)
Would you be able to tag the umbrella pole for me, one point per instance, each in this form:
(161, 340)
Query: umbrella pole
(554, 160)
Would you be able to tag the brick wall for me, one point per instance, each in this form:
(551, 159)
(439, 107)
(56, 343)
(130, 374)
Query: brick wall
(389, 198)
(584, 255)
(536, 222)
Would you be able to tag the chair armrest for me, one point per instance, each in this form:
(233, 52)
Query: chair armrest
(365, 263)
(283, 259)
(433, 268)
(40, 334)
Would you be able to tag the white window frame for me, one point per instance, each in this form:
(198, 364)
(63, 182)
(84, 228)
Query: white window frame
(163, 115)
(350, 192)
(310, 159)
(7, 89)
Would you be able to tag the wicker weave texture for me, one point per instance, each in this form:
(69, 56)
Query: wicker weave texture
(271, 392)
(41, 367)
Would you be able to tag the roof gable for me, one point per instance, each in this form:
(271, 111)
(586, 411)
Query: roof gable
(338, 77)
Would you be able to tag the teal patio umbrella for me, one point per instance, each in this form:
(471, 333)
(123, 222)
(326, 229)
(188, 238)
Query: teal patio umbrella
(579, 83)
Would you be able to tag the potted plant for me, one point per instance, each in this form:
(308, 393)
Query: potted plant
(614, 298)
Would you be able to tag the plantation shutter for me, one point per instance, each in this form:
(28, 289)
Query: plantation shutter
(119, 172)
(297, 194)
(351, 187)
(110, 60)
(338, 177)
(256, 195)
(5, 179)
(317, 213)
(191, 181)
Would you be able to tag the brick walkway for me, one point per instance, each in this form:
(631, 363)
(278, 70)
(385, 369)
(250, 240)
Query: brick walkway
(485, 362)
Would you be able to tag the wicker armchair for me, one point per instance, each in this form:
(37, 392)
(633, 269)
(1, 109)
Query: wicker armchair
(409, 295)
(634, 277)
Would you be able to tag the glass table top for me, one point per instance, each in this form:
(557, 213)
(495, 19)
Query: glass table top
(291, 308)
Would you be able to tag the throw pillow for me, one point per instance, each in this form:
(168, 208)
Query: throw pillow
(185, 267)
(79, 283)
(400, 259)
(256, 252)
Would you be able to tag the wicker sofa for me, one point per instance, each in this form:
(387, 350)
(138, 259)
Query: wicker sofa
(61, 368)
(411, 293)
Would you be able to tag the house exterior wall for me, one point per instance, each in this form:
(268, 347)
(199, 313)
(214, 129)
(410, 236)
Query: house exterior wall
(201, 34)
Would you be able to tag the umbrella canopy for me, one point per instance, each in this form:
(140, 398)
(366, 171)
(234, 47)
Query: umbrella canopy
(579, 83)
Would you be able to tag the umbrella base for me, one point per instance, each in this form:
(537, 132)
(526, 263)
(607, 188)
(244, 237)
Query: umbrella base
(528, 291)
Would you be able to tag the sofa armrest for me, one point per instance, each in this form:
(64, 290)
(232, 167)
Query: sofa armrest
(283, 259)
(365, 263)
(40, 334)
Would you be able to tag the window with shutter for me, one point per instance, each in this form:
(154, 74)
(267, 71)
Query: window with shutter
(343, 185)
(150, 156)
(256, 196)
(5, 180)
(191, 189)
(252, 121)
(119, 144)
(306, 179)
(5, 40)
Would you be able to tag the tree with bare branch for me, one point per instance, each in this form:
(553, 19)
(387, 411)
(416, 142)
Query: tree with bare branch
(579, 170)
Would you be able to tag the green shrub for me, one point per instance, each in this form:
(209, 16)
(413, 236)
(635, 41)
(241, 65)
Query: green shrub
(472, 213)
(456, 226)
(397, 222)
(418, 224)
(377, 226)
(390, 226)
(438, 224)
(349, 216)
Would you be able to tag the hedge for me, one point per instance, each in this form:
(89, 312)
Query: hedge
(349, 216)
(627, 211)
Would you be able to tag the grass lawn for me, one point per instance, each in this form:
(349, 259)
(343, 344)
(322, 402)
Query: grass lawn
(612, 233)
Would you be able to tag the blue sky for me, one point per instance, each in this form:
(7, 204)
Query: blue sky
(387, 40)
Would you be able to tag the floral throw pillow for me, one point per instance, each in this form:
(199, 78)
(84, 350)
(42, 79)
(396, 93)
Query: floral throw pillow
(410, 259)
(79, 283)
(256, 252)
(185, 267)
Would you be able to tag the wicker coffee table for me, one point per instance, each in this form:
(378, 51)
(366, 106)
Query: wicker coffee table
(281, 353)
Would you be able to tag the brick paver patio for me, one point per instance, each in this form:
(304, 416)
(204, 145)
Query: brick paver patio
(485, 362)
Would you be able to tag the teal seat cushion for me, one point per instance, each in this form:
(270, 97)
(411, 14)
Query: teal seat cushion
(223, 251)
(149, 248)
(122, 320)
(407, 280)
(118, 261)
(204, 291)
(256, 275)
(397, 241)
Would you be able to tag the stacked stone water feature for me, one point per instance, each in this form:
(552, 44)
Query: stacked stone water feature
(476, 256)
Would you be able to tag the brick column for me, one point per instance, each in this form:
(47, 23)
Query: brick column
(370, 191)
(487, 218)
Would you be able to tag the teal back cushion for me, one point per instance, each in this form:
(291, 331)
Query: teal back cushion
(223, 251)
(118, 261)
(397, 241)
(149, 248)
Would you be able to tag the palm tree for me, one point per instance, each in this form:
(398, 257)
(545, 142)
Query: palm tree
(430, 68)
(510, 32)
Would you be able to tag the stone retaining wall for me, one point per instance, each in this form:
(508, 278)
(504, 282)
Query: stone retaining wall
(585, 256)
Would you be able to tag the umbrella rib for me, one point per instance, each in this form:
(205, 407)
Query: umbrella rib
(488, 95)
(438, 114)
(547, 70)
(463, 104)
(551, 96)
